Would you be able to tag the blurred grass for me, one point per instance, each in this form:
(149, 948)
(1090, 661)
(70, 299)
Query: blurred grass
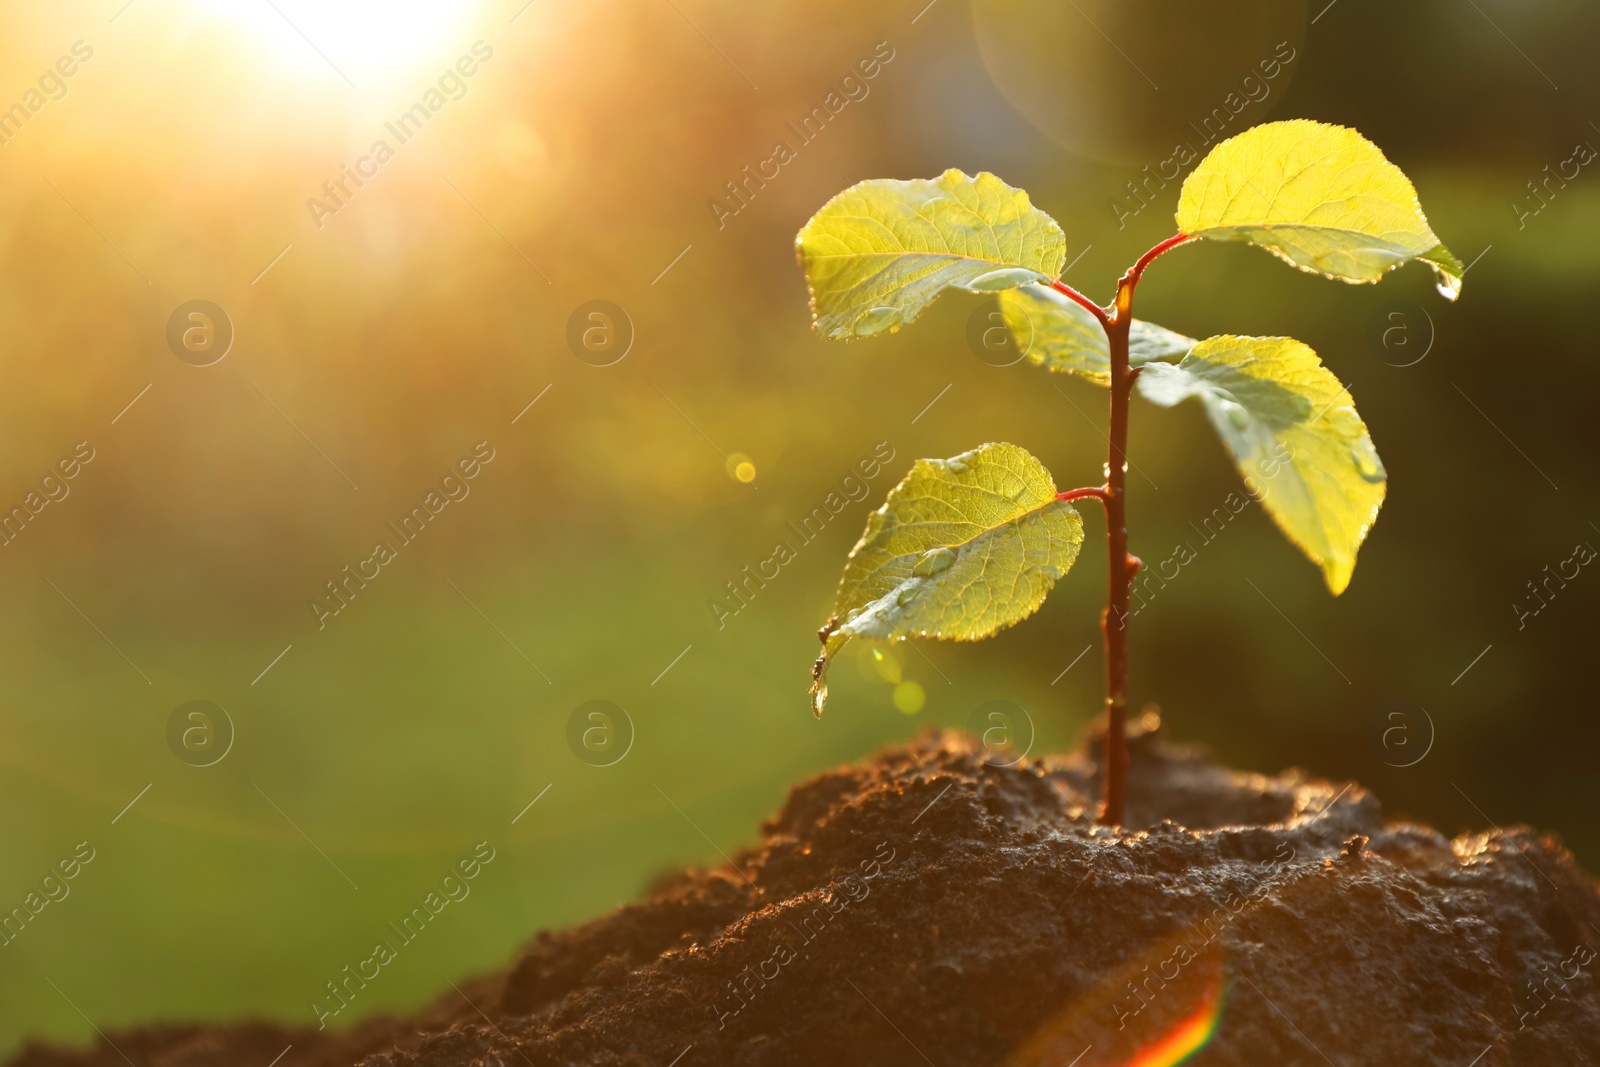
(413, 326)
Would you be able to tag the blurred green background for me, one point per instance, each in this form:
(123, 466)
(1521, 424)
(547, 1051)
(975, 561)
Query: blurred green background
(433, 307)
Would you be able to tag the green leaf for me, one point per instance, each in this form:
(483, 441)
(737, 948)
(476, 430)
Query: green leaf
(1303, 450)
(1320, 197)
(879, 252)
(961, 549)
(1056, 332)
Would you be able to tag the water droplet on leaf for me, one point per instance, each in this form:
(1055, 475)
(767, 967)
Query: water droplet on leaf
(933, 561)
(1346, 423)
(1004, 278)
(1238, 417)
(1368, 465)
(876, 320)
(906, 595)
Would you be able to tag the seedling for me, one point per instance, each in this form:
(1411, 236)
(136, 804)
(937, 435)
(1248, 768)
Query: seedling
(964, 547)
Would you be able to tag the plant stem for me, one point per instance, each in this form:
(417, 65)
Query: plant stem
(1078, 298)
(1114, 623)
(1133, 276)
(1098, 491)
(1121, 567)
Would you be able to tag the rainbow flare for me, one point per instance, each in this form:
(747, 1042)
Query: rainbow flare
(1189, 1035)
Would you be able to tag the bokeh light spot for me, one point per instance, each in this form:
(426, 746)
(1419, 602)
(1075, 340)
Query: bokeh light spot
(885, 665)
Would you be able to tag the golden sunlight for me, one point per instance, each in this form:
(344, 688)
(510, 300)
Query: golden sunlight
(368, 43)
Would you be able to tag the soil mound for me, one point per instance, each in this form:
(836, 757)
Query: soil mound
(928, 908)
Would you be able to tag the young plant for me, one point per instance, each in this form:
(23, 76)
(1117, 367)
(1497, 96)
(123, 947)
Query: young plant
(964, 547)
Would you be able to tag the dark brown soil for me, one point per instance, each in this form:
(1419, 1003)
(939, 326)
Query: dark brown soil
(925, 908)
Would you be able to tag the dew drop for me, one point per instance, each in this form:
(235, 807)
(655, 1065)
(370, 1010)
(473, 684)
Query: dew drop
(1004, 278)
(1237, 416)
(955, 466)
(1346, 423)
(877, 320)
(933, 561)
(1368, 465)
(906, 595)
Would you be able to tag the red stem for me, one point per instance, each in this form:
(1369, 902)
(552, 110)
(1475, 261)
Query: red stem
(1078, 494)
(1114, 623)
(1072, 294)
(1121, 566)
(1150, 257)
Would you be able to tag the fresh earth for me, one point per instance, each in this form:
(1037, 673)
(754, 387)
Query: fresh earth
(929, 907)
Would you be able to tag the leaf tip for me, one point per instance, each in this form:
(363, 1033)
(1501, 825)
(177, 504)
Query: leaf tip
(819, 696)
(819, 669)
(1447, 271)
(1336, 573)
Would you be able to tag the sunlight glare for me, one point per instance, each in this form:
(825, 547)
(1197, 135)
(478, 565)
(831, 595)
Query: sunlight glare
(370, 43)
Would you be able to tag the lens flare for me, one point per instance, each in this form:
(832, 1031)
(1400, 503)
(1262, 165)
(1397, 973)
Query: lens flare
(909, 698)
(1189, 1035)
(1156, 1009)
